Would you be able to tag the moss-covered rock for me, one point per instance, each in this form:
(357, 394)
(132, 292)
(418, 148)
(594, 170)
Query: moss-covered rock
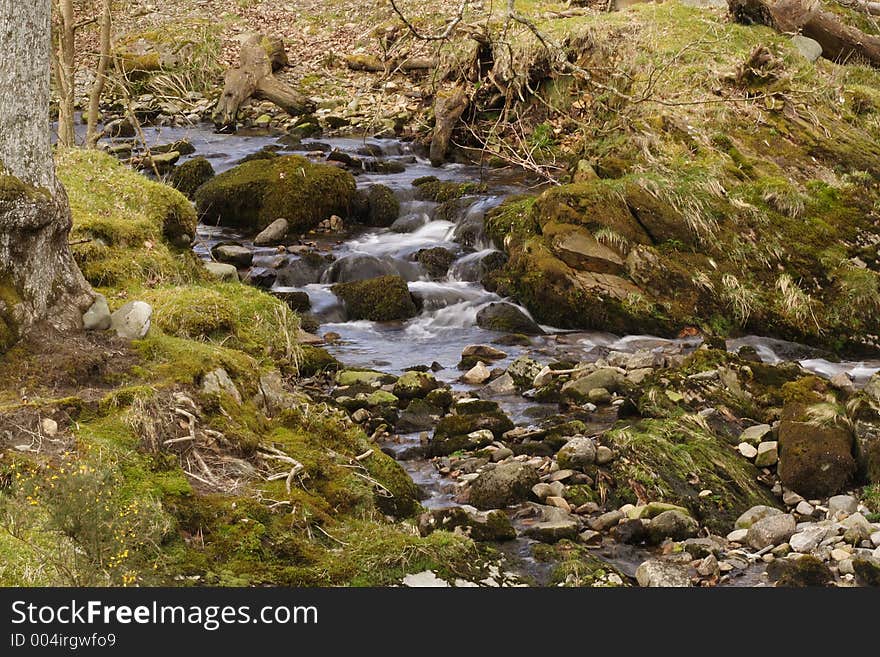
(429, 188)
(415, 384)
(381, 299)
(256, 193)
(674, 460)
(453, 432)
(382, 206)
(192, 174)
(435, 261)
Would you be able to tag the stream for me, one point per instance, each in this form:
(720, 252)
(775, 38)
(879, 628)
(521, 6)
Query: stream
(447, 319)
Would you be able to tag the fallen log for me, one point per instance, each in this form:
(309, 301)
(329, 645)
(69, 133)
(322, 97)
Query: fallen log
(373, 64)
(253, 78)
(840, 42)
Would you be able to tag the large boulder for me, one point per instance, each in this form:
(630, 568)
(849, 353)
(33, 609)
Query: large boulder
(503, 485)
(507, 318)
(383, 206)
(381, 299)
(435, 261)
(815, 460)
(358, 267)
(254, 194)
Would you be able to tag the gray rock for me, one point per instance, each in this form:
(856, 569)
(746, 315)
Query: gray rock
(754, 435)
(577, 453)
(808, 540)
(483, 351)
(97, 317)
(672, 524)
(555, 524)
(857, 529)
(604, 455)
(579, 389)
(845, 503)
(663, 573)
(599, 396)
(479, 525)
(478, 374)
(272, 234)
(606, 521)
(240, 256)
(771, 530)
(523, 371)
(755, 514)
(507, 318)
(747, 450)
(502, 485)
(768, 454)
(503, 385)
(738, 535)
(132, 321)
(809, 48)
(804, 508)
(500, 454)
(222, 271)
(218, 381)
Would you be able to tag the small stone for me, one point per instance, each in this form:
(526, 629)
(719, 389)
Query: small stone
(562, 475)
(590, 537)
(845, 567)
(132, 321)
(542, 491)
(809, 48)
(599, 396)
(791, 498)
(606, 521)
(747, 450)
(234, 254)
(845, 503)
(501, 454)
(483, 351)
(781, 550)
(49, 427)
(604, 455)
(557, 488)
(771, 530)
(754, 435)
(875, 539)
(662, 573)
(755, 514)
(579, 452)
(839, 555)
(808, 540)
(274, 233)
(804, 508)
(503, 385)
(768, 454)
(543, 377)
(97, 317)
(222, 271)
(738, 536)
(218, 381)
(478, 374)
(558, 502)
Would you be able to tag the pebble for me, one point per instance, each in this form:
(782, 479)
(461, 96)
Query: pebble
(754, 435)
(791, 498)
(772, 530)
(478, 374)
(606, 521)
(839, 554)
(875, 539)
(768, 454)
(804, 508)
(808, 539)
(561, 475)
(542, 491)
(501, 453)
(604, 455)
(737, 535)
(708, 567)
(590, 537)
(845, 567)
(49, 427)
(558, 502)
(747, 450)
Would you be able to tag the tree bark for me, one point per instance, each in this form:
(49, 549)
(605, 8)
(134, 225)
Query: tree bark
(92, 134)
(839, 41)
(40, 283)
(64, 66)
(448, 109)
(253, 78)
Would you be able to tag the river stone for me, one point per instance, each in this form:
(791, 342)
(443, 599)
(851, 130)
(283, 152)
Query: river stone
(97, 317)
(272, 234)
(808, 540)
(809, 48)
(872, 387)
(507, 318)
(358, 267)
(477, 375)
(502, 485)
(483, 351)
(234, 254)
(771, 530)
(479, 525)
(415, 384)
(218, 381)
(307, 269)
(804, 508)
(436, 261)
(577, 453)
(738, 536)
(663, 573)
(418, 416)
(755, 514)
(555, 525)
(599, 396)
(857, 529)
(754, 435)
(846, 503)
(503, 385)
(674, 525)
(604, 455)
(222, 271)
(454, 432)
(523, 371)
(608, 378)
(767, 454)
(382, 299)
(747, 450)
(132, 321)
(606, 521)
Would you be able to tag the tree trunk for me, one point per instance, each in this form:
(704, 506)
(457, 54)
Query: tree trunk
(448, 108)
(40, 283)
(65, 71)
(92, 134)
(253, 79)
(839, 41)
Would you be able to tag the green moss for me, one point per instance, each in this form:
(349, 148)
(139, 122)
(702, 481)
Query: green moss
(674, 460)
(381, 299)
(254, 194)
(430, 188)
(192, 174)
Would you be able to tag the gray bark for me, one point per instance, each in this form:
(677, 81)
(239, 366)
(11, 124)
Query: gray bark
(40, 284)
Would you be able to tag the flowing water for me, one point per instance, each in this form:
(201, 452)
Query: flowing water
(447, 320)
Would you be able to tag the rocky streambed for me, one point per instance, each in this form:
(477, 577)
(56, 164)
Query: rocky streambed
(586, 458)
